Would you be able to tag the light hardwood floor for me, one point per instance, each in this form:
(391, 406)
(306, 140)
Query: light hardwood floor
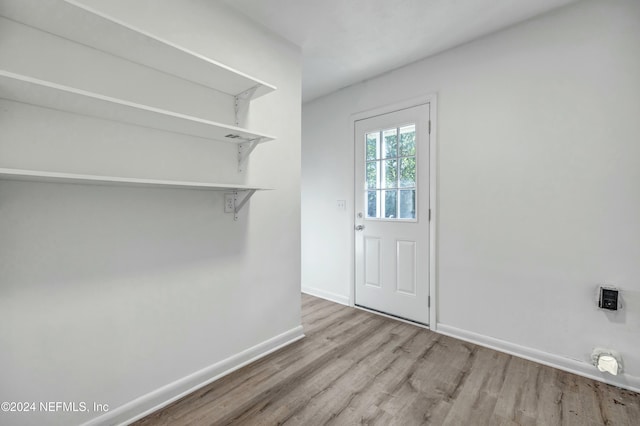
(359, 368)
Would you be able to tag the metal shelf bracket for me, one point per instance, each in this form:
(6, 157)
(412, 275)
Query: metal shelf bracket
(241, 104)
(241, 108)
(239, 204)
(244, 150)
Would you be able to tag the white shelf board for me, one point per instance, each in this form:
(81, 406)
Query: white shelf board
(82, 24)
(55, 177)
(20, 88)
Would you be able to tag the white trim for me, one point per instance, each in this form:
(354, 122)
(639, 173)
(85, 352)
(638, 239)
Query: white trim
(574, 366)
(432, 100)
(153, 401)
(433, 204)
(327, 295)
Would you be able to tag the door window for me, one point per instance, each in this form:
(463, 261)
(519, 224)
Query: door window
(391, 173)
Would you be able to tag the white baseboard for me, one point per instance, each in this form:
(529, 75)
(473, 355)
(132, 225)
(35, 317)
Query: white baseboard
(580, 368)
(153, 401)
(334, 297)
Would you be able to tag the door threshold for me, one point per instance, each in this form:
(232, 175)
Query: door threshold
(395, 317)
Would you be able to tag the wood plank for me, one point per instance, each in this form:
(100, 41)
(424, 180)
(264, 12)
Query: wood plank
(355, 367)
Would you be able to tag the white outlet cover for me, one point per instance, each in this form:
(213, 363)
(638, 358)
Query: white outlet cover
(341, 204)
(229, 203)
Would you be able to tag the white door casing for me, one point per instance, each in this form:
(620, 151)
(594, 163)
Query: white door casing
(392, 213)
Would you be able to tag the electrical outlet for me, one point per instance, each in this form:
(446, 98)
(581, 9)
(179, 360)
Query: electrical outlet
(341, 204)
(608, 298)
(229, 203)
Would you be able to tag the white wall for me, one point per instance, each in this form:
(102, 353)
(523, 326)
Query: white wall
(109, 294)
(538, 184)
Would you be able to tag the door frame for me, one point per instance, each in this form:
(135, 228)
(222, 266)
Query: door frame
(430, 99)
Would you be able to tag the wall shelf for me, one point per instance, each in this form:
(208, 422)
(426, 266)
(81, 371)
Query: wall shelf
(37, 92)
(55, 177)
(82, 24)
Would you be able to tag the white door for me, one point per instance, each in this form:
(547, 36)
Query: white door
(392, 213)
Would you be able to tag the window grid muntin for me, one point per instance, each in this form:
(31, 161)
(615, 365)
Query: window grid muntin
(380, 189)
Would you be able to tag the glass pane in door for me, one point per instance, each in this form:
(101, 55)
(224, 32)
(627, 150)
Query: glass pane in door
(391, 173)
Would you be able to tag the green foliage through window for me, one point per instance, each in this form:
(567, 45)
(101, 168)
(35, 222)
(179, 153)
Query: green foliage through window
(391, 166)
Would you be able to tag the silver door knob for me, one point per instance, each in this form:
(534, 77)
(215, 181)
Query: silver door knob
(359, 227)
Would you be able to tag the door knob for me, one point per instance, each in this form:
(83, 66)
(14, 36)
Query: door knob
(359, 227)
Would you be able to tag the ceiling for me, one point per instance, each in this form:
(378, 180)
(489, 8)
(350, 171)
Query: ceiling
(347, 41)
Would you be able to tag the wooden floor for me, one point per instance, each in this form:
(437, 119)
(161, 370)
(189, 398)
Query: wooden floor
(358, 368)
